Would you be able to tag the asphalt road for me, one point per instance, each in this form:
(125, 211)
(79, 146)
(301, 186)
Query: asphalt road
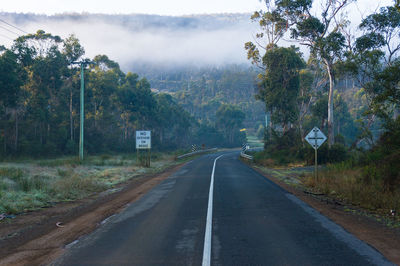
(252, 222)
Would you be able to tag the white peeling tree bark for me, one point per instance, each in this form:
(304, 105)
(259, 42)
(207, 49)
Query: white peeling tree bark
(331, 131)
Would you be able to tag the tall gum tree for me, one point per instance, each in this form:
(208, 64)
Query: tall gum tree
(381, 33)
(273, 27)
(279, 88)
(73, 51)
(371, 54)
(38, 54)
(321, 34)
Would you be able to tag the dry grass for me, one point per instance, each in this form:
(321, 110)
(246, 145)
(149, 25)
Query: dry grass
(34, 184)
(349, 186)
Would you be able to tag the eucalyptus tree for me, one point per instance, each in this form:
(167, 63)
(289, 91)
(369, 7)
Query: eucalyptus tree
(376, 47)
(382, 30)
(103, 80)
(381, 38)
(305, 97)
(279, 88)
(229, 121)
(10, 83)
(273, 27)
(73, 51)
(126, 102)
(322, 34)
(39, 55)
(173, 125)
(373, 60)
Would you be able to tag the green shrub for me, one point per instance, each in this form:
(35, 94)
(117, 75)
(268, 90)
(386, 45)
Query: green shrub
(71, 147)
(382, 161)
(12, 173)
(335, 154)
(67, 161)
(105, 156)
(17, 202)
(75, 187)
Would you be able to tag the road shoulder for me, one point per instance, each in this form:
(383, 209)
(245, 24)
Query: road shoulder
(40, 237)
(385, 240)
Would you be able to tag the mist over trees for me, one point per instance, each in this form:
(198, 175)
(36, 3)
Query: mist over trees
(39, 104)
(158, 40)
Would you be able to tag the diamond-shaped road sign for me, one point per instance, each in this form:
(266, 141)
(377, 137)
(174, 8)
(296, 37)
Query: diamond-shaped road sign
(315, 138)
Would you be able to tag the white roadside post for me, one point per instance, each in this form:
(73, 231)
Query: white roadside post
(316, 138)
(143, 142)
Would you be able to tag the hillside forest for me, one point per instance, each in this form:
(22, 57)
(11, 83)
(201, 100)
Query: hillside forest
(346, 86)
(39, 104)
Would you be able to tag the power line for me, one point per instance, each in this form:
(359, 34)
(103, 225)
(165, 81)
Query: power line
(4, 36)
(15, 27)
(9, 30)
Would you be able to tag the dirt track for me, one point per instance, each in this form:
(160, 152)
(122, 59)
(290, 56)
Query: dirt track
(36, 239)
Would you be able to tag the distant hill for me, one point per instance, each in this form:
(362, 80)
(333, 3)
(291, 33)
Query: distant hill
(199, 59)
(135, 22)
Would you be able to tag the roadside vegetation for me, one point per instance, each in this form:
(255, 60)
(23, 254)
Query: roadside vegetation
(349, 88)
(40, 118)
(40, 104)
(32, 184)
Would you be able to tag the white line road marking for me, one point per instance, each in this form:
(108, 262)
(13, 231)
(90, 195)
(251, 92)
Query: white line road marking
(207, 236)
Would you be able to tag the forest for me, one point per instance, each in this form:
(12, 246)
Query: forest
(202, 90)
(39, 105)
(348, 87)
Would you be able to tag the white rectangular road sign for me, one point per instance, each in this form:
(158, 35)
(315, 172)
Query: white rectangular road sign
(143, 139)
(315, 138)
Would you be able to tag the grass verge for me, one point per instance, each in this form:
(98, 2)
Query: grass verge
(345, 185)
(350, 187)
(33, 184)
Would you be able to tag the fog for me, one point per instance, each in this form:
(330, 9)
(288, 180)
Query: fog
(195, 40)
(165, 41)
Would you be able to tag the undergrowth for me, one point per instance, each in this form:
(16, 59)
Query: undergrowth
(350, 187)
(39, 183)
(369, 179)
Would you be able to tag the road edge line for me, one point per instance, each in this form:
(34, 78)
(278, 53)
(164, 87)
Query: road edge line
(208, 232)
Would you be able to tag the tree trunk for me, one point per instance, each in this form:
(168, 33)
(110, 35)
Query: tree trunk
(126, 130)
(331, 132)
(16, 131)
(41, 133)
(301, 128)
(95, 114)
(5, 142)
(396, 113)
(285, 128)
(71, 121)
(268, 124)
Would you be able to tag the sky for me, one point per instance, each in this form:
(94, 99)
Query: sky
(159, 7)
(219, 45)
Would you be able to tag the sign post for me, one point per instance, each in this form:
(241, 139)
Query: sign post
(316, 138)
(143, 142)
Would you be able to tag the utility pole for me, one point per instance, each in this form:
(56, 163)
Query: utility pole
(83, 64)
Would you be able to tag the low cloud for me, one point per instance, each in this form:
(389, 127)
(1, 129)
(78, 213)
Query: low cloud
(197, 40)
